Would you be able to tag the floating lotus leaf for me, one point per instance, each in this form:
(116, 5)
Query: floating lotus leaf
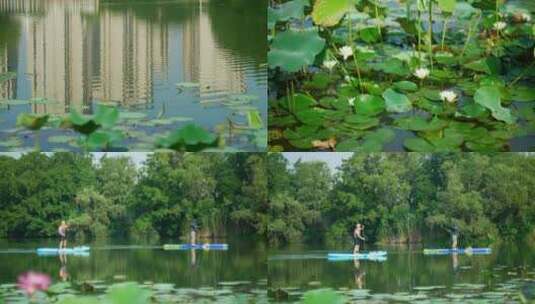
(31, 121)
(489, 97)
(313, 116)
(370, 34)
(522, 93)
(417, 144)
(294, 49)
(407, 86)
(189, 138)
(396, 102)
(329, 12)
(369, 105)
(103, 140)
(286, 11)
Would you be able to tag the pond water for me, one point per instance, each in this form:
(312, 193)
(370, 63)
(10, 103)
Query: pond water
(190, 276)
(164, 63)
(406, 275)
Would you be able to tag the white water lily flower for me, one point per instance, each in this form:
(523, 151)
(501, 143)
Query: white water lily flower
(329, 64)
(500, 25)
(448, 96)
(421, 73)
(351, 101)
(347, 78)
(346, 52)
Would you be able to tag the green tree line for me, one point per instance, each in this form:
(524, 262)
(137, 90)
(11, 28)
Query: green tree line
(224, 193)
(404, 197)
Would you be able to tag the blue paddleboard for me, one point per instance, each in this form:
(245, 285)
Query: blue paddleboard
(372, 255)
(445, 251)
(195, 246)
(81, 250)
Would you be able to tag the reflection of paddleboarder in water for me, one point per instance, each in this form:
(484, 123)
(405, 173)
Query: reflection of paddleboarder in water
(63, 273)
(454, 234)
(358, 274)
(455, 261)
(193, 262)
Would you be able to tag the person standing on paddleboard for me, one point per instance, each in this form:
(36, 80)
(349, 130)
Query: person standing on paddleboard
(62, 231)
(454, 234)
(193, 233)
(358, 238)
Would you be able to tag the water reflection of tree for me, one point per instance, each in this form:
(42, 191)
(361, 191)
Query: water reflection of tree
(401, 272)
(240, 26)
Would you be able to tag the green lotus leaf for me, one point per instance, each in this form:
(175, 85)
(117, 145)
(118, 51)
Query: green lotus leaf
(473, 110)
(80, 123)
(396, 102)
(189, 138)
(313, 116)
(407, 86)
(447, 6)
(418, 123)
(489, 97)
(294, 49)
(417, 144)
(106, 116)
(286, 11)
(329, 12)
(369, 105)
(31, 121)
(489, 65)
(361, 122)
(103, 140)
(522, 93)
(370, 34)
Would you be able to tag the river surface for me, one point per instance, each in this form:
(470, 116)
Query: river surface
(407, 275)
(164, 63)
(202, 275)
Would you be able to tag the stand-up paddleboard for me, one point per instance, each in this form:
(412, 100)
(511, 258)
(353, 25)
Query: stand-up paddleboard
(81, 250)
(445, 251)
(195, 246)
(372, 255)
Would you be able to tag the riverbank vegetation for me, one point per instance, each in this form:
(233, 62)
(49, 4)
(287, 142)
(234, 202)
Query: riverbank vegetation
(404, 197)
(413, 75)
(225, 193)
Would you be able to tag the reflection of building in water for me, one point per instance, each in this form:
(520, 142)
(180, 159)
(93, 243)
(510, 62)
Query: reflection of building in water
(219, 73)
(59, 60)
(75, 55)
(130, 48)
(7, 88)
(22, 6)
(75, 52)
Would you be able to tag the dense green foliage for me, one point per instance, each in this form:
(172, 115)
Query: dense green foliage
(404, 197)
(352, 75)
(223, 192)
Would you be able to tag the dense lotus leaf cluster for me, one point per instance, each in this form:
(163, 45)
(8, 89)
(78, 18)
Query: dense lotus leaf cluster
(112, 128)
(416, 75)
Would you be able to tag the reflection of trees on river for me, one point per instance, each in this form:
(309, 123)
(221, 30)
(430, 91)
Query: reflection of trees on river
(244, 261)
(80, 50)
(402, 271)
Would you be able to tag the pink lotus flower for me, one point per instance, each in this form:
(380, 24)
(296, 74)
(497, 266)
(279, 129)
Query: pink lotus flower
(31, 282)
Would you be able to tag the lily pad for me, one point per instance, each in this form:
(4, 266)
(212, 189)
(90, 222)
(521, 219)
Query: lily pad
(295, 49)
(489, 97)
(329, 12)
(189, 138)
(396, 102)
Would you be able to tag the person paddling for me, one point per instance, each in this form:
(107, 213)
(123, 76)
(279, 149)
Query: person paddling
(62, 231)
(358, 238)
(454, 234)
(193, 233)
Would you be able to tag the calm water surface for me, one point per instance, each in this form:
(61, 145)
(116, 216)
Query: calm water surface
(70, 54)
(241, 270)
(406, 275)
